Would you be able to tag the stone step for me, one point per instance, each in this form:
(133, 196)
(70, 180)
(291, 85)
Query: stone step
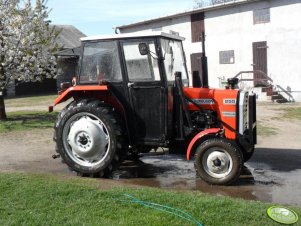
(277, 97)
(282, 101)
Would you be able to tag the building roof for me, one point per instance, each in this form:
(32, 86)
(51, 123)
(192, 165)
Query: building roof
(69, 53)
(69, 36)
(132, 35)
(189, 12)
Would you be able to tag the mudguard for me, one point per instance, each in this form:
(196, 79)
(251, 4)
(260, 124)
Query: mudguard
(68, 93)
(199, 136)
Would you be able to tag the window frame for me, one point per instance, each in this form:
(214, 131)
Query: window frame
(226, 59)
(261, 16)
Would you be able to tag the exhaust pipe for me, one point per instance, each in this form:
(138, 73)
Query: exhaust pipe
(204, 64)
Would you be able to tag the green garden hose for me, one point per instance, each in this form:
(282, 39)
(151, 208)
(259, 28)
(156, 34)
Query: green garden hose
(163, 208)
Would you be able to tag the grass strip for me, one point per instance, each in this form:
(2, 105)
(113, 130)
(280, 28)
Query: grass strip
(292, 113)
(24, 120)
(45, 200)
(265, 131)
(29, 101)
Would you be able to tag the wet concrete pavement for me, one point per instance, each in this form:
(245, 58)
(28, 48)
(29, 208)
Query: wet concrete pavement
(272, 175)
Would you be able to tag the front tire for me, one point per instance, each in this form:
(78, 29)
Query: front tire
(89, 137)
(248, 155)
(218, 161)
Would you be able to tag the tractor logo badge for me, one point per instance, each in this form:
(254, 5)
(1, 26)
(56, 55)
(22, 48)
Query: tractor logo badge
(203, 101)
(230, 101)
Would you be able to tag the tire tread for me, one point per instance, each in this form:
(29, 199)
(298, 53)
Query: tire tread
(111, 117)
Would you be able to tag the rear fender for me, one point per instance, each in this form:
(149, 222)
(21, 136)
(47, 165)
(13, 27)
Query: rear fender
(100, 92)
(199, 136)
(74, 92)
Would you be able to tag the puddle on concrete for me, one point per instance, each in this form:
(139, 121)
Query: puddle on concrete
(289, 191)
(257, 182)
(174, 172)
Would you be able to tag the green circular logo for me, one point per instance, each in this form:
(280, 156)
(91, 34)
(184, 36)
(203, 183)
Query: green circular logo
(282, 215)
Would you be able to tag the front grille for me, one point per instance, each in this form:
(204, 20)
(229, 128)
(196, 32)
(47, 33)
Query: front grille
(243, 112)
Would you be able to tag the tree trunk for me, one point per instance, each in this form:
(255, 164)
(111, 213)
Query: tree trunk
(2, 108)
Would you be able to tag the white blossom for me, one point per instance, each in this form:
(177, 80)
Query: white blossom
(27, 43)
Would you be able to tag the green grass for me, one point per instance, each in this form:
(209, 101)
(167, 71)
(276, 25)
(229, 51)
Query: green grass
(292, 113)
(29, 101)
(265, 131)
(24, 120)
(44, 200)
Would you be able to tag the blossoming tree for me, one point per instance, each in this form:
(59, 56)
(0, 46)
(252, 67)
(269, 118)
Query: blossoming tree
(27, 44)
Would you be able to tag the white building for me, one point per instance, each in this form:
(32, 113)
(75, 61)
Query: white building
(242, 35)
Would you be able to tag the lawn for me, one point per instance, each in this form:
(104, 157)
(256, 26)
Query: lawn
(30, 101)
(24, 120)
(45, 200)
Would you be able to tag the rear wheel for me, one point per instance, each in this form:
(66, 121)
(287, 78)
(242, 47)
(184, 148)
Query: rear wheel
(217, 161)
(89, 137)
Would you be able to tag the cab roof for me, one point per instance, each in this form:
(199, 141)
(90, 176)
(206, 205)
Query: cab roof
(133, 35)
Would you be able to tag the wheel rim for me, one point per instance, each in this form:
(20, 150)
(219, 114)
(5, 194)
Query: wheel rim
(86, 139)
(217, 162)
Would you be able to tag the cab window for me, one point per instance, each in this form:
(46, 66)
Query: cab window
(100, 61)
(174, 60)
(140, 67)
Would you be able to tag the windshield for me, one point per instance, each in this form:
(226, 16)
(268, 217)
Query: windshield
(99, 62)
(174, 59)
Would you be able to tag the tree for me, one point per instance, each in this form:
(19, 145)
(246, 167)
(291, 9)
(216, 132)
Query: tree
(27, 44)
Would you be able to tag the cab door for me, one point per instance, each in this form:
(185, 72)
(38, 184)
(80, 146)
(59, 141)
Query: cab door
(146, 93)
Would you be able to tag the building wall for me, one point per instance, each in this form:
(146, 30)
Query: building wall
(233, 29)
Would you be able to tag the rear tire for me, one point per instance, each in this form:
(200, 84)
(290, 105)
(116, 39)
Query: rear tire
(89, 137)
(218, 161)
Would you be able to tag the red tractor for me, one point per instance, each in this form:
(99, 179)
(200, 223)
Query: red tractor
(131, 95)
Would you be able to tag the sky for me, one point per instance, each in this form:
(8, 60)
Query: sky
(98, 17)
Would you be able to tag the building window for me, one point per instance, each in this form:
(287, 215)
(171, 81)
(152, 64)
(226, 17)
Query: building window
(226, 57)
(261, 16)
(197, 27)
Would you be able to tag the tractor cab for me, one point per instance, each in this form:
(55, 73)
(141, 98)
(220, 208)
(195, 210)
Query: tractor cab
(140, 71)
(131, 95)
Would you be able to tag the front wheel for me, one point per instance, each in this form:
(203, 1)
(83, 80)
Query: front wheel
(248, 155)
(218, 161)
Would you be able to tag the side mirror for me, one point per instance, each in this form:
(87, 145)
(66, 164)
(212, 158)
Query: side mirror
(143, 48)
